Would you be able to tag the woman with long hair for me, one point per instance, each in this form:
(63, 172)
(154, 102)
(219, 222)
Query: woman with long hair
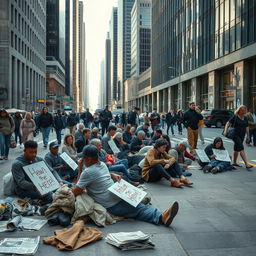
(7, 127)
(69, 146)
(27, 127)
(240, 123)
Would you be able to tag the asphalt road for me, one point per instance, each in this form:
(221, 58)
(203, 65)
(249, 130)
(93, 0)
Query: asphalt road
(217, 215)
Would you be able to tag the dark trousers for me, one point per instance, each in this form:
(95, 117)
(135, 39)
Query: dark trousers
(168, 127)
(17, 135)
(157, 172)
(253, 136)
(104, 127)
(58, 135)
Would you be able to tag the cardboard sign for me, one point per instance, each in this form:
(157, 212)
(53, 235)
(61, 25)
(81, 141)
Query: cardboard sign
(41, 177)
(127, 192)
(202, 156)
(221, 155)
(113, 146)
(69, 161)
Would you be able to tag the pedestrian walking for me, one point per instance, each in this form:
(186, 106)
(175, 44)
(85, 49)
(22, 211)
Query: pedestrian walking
(239, 122)
(87, 118)
(96, 119)
(123, 119)
(179, 120)
(27, 127)
(163, 120)
(252, 127)
(190, 120)
(170, 121)
(45, 123)
(17, 120)
(154, 119)
(105, 118)
(133, 117)
(7, 127)
(59, 124)
(200, 126)
(146, 118)
(72, 121)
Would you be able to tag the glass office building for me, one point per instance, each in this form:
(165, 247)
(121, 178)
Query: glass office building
(204, 51)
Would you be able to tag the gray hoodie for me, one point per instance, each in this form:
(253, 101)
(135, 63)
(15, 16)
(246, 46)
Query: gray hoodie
(21, 179)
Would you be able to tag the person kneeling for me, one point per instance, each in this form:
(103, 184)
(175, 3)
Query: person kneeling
(158, 164)
(96, 179)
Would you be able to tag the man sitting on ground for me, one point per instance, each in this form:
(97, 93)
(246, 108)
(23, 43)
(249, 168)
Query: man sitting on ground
(157, 135)
(158, 164)
(108, 136)
(95, 134)
(96, 179)
(144, 128)
(84, 140)
(137, 142)
(54, 160)
(24, 187)
(79, 132)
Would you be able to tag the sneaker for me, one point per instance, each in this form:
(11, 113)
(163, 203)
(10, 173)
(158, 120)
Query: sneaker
(215, 170)
(207, 168)
(169, 214)
(1, 158)
(5, 157)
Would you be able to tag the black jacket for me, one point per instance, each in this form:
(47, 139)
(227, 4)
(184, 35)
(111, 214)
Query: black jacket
(105, 116)
(127, 137)
(59, 122)
(87, 117)
(45, 120)
(191, 119)
(136, 144)
(132, 118)
(170, 118)
(80, 144)
(72, 120)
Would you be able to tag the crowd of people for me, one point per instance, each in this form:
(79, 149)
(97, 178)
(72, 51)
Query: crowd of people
(127, 150)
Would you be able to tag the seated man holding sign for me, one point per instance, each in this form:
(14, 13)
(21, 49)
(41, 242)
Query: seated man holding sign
(96, 179)
(48, 179)
(55, 161)
(219, 157)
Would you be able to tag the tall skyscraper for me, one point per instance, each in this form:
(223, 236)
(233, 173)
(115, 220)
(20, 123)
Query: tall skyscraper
(22, 51)
(113, 30)
(141, 37)
(102, 98)
(75, 75)
(108, 93)
(124, 43)
(55, 52)
(69, 48)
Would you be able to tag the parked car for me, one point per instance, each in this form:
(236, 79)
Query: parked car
(216, 117)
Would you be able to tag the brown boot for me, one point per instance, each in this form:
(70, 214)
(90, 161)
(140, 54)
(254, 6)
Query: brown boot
(186, 182)
(176, 184)
(169, 214)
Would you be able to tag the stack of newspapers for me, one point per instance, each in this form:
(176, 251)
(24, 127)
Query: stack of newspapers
(22, 246)
(130, 240)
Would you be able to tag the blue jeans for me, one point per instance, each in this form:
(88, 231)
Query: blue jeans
(45, 133)
(168, 127)
(122, 161)
(5, 144)
(88, 125)
(72, 173)
(119, 168)
(36, 195)
(219, 164)
(58, 134)
(17, 135)
(141, 212)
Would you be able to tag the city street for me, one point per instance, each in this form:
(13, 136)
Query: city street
(217, 216)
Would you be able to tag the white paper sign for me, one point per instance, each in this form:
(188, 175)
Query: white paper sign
(127, 192)
(202, 156)
(41, 177)
(221, 155)
(69, 161)
(113, 146)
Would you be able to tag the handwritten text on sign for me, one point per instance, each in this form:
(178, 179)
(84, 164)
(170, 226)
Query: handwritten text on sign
(41, 177)
(127, 192)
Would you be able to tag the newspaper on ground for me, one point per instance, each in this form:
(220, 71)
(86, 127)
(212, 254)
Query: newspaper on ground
(130, 240)
(69, 161)
(41, 177)
(21, 246)
(113, 146)
(21, 223)
(128, 192)
(202, 156)
(221, 155)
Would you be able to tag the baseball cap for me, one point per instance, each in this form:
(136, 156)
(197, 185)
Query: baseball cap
(184, 143)
(89, 151)
(54, 144)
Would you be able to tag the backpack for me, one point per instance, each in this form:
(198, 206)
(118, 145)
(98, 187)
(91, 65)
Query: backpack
(9, 186)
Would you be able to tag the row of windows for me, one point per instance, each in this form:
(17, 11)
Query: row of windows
(20, 46)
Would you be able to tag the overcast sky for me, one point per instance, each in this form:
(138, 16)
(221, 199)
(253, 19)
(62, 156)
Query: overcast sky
(97, 16)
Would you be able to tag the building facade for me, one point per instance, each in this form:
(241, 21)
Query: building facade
(124, 44)
(22, 51)
(203, 51)
(108, 92)
(140, 37)
(113, 30)
(55, 53)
